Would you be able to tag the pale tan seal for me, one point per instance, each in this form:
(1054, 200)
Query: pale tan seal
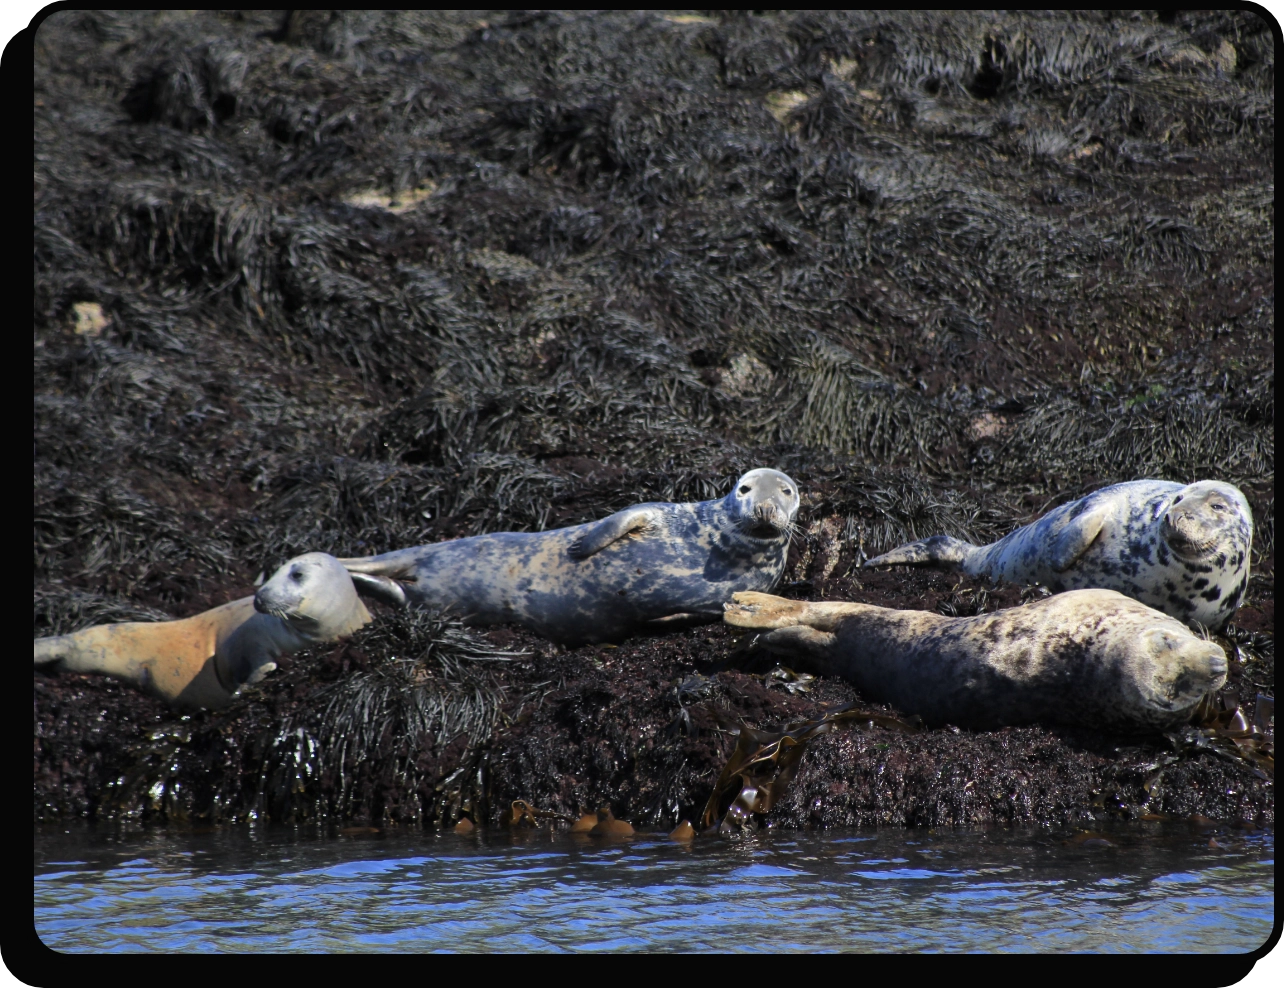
(1181, 548)
(1091, 658)
(202, 661)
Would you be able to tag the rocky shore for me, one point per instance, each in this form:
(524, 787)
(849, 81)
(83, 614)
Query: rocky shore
(349, 281)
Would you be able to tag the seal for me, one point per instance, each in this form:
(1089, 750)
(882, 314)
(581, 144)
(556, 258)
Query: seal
(202, 661)
(601, 581)
(1088, 658)
(1183, 549)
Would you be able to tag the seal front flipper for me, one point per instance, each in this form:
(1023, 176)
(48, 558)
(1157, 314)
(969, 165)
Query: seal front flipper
(940, 550)
(610, 529)
(800, 640)
(1073, 540)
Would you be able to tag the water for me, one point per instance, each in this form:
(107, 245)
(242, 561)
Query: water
(1145, 888)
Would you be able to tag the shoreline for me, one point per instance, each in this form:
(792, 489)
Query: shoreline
(642, 727)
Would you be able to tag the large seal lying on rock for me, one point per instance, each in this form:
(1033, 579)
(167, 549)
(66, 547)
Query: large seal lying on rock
(600, 581)
(1180, 548)
(202, 661)
(1088, 657)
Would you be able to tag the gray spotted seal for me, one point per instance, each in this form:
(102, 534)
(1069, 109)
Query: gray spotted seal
(203, 660)
(603, 580)
(1183, 549)
(1092, 658)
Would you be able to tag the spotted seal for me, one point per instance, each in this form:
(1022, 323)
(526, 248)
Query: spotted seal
(202, 661)
(1183, 549)
(1091, 658)
(601, 581)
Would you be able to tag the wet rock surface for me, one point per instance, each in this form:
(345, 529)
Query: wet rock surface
(354, 281)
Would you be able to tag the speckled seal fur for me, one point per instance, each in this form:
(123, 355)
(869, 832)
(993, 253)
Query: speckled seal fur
(202, 661)
(601, 581)
(1183, 549)
(1091, 658)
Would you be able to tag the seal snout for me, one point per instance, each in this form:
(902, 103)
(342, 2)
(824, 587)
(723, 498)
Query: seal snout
(768, 515)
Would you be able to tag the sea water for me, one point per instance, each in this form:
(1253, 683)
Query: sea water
(1153, 887)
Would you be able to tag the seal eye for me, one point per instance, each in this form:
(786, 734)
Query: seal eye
(744, 489)
(296, 575)
(1217, 506)
(786, 492)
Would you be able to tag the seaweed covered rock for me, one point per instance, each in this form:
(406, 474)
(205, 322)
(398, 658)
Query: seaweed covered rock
(349, 281)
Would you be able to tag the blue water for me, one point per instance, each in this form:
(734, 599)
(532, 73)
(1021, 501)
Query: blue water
(1144, 888)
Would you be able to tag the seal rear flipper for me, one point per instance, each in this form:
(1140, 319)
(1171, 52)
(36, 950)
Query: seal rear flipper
(941, 551)
(1073, 540)
(50, 650)
(610, 529)
(381, 588)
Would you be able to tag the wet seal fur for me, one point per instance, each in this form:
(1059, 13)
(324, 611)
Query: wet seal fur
(1183, 549)
(203, 661)
(601, 581)
(1089, 658)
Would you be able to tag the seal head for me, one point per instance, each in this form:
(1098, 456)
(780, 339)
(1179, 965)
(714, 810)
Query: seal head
(315, 596)
(1204, 519)
(764, 504)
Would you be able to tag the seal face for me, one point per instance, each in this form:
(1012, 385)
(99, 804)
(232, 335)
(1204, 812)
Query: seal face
(1092, 658)
(202, 661)
(1183, 549)
(603, 580)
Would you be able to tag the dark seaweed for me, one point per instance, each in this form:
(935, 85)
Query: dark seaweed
(351, 281)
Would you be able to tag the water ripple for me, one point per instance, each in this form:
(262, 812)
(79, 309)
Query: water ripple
(247, 890)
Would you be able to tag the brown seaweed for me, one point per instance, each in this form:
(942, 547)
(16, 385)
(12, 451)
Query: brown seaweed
(763, 763)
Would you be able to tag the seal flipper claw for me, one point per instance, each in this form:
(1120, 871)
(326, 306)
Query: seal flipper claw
(941, 551)
(610, 529)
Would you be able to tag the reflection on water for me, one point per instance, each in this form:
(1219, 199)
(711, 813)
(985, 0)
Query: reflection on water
(1146, 888)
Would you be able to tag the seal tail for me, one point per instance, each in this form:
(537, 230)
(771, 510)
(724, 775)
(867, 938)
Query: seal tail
(940, 551)
(88, 650)
(50, 650)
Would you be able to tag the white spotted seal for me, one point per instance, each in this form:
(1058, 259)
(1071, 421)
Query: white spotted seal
(601, 581)
(202, 661)
(1090, 658)
(1183, 549)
